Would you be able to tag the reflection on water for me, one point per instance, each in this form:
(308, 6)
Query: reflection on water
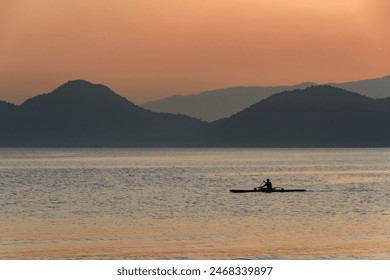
(175, 203)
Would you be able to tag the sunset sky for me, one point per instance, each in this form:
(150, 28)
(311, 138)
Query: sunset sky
(148, 49)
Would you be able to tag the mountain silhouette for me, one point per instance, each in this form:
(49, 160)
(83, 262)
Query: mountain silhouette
(222, 103)
(215, 104)
(6, 108)
(319, 116)
(8, 114)
(80, 113)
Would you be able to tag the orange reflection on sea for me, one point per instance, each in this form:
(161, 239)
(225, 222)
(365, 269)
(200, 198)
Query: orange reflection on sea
(123, 238)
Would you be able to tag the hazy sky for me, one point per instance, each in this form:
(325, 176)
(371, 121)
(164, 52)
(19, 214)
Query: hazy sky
(147, 49)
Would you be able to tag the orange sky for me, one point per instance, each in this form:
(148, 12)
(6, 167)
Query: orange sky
(145, 50)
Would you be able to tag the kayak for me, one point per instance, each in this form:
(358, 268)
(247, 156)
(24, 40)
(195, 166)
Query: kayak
(268, 191)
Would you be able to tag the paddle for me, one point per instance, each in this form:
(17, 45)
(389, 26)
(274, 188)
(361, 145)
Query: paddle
(258, 188)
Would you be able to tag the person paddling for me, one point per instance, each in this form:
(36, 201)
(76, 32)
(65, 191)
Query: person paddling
(267, 185)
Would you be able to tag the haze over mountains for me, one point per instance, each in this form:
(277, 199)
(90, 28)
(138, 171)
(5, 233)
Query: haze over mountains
(215, 104)
(82, 114)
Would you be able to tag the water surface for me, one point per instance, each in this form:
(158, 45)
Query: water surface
(175, 203)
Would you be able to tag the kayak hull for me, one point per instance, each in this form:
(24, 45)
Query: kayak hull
(267, 191)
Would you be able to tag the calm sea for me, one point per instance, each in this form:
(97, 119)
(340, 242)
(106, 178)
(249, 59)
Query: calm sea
(176, 204)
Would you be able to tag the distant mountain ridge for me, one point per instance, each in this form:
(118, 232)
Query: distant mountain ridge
(374, 88)
(82, 114)
(221, 103)
(216, 104)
